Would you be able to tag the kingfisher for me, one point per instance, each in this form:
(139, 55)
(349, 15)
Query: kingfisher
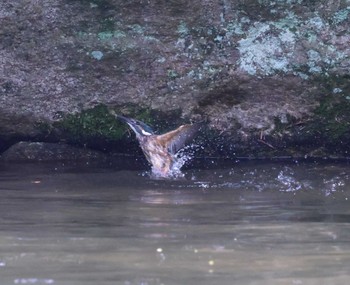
(160, 150)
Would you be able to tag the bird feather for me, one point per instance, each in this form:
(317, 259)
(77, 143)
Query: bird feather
(177, 139)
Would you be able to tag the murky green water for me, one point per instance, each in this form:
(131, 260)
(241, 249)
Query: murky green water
(252, 223)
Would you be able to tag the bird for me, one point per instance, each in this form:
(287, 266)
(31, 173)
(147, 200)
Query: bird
(160, 150)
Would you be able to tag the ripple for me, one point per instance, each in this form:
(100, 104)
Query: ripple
(33, 281)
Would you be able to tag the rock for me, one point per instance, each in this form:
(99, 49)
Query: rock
(39, 151)
(251, 69)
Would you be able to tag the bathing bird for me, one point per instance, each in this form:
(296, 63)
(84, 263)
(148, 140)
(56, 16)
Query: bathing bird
(161, 150)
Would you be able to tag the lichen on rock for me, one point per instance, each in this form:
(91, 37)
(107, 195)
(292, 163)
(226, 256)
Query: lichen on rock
(242, 66)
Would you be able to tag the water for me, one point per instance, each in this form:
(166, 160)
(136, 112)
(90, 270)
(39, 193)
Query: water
(246, 223)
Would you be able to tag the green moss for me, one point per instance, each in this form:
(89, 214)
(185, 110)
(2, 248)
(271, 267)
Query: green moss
(107, 24)
(159, 121)
(327, 128)
(91, 124)
(332, 117)
(98, 128)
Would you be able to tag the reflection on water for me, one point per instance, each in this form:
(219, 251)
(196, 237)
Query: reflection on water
(265, 223)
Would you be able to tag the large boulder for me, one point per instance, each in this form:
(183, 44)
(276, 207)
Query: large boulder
(269, 77)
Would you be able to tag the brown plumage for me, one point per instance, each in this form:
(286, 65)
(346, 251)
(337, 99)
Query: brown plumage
(160, 150)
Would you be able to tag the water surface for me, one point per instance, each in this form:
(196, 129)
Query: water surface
(246, 223)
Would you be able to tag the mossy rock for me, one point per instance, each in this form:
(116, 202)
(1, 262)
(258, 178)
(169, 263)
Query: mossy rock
(95, 122)
(98, 128)
(332, 117)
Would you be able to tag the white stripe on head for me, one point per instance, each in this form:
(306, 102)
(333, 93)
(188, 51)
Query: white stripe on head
(132, 127)
(145, 133)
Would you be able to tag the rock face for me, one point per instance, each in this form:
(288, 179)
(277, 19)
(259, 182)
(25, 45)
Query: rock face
(38, 151)
(269, 77)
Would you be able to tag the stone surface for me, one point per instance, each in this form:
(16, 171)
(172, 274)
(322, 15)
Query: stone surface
(267, 76)
(38, 151)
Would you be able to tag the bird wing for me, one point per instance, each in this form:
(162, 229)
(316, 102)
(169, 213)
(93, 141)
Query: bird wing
(177, 139)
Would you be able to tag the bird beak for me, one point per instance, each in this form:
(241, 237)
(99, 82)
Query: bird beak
(129, 122)
(124, 119)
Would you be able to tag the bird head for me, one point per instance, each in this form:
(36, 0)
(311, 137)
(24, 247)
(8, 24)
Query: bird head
(139, 128)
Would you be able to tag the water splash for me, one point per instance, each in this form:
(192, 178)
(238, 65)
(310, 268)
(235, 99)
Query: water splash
(332, 185)
(290, 184)
(183, 156)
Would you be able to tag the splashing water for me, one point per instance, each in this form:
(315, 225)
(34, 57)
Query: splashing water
(180, 159)
(285, 177)
(333, 184)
